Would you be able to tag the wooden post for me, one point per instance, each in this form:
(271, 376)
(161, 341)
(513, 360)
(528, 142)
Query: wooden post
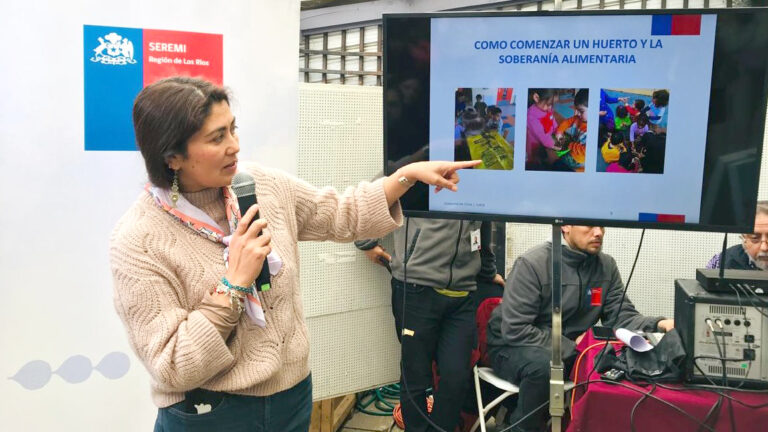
(329, 414)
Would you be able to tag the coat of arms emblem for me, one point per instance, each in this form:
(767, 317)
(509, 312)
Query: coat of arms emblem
(113, 49)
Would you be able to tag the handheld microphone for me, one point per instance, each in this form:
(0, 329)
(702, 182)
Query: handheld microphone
(245, 189)
(385, 262)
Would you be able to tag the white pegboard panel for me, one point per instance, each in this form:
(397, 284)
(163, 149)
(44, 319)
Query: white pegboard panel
(349, 354)
(340, 144)
(346, 297)
(665, 255)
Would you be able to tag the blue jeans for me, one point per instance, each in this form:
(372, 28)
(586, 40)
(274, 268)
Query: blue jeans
(287, 411)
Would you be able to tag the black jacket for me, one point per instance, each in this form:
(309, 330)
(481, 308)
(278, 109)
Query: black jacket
(735, 258)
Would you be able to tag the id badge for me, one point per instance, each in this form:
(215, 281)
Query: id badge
(475, 241)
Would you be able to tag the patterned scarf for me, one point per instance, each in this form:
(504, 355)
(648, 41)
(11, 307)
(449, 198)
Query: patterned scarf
(199, 222)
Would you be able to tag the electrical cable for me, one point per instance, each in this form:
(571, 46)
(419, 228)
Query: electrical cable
(623, 294)
(725, 370)
(713, 389)
(694, 387)
(748, 291)
(730, 414)
(717, 387)
(700, 387)
(719, 359)
(651, 396)
(631, 272)
(576, 369)
(743, 312)
(675, 407)
(719, 351)
(712, 411)
(637, 404)
(722, 333)
(723, 395)
(696, 365)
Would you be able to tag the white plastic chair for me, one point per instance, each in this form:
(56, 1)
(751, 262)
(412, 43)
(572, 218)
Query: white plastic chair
(486, 374)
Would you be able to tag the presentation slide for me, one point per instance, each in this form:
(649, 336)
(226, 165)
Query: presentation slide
(600, 117)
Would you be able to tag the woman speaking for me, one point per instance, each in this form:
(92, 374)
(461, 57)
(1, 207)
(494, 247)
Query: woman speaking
(222, 353)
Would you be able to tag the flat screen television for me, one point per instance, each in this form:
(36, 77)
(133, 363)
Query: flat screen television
(620, 118)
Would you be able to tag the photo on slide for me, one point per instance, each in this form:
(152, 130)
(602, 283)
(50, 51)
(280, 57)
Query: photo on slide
(632, 136)
(484, 127)
(556, 129)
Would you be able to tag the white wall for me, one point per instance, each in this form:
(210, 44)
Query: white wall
(58, 203)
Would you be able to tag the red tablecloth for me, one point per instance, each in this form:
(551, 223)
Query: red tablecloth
(606, 407)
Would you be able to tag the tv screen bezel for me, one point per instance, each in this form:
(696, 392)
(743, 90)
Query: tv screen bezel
(561, 220)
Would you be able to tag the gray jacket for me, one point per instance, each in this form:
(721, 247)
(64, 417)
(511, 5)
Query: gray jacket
(439, 253)
(524, 318)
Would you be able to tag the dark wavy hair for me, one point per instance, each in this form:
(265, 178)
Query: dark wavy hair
(581, 98)
(544, 94)
(662, 98)
(165, 115)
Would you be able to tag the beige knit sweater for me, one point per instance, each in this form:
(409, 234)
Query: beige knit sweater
(162, 270)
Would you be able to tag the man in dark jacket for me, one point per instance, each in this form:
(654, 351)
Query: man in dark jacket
(435, 264)
(752, 253)
(520, 330)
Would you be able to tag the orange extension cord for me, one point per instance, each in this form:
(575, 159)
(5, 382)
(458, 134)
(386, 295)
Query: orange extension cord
(576, 369)
(397, 414)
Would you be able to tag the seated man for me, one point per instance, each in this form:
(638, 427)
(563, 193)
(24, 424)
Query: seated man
(752, 253)
(520, 330)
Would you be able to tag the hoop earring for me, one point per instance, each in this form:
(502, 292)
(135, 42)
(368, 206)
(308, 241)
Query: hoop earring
(175, 188)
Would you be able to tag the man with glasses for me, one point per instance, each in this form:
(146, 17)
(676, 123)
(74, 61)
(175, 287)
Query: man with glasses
(752, 253)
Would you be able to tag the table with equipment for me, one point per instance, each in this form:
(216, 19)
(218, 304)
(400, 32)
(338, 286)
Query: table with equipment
(624, 406)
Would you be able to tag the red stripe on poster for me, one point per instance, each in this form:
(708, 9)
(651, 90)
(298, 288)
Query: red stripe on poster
(686, 25)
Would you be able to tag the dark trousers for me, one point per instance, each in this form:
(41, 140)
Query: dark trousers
(528, 368)
(433, 327)
(287, 411)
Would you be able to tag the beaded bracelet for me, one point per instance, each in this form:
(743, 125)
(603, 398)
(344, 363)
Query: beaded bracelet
(236, 293)
(228, 284)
